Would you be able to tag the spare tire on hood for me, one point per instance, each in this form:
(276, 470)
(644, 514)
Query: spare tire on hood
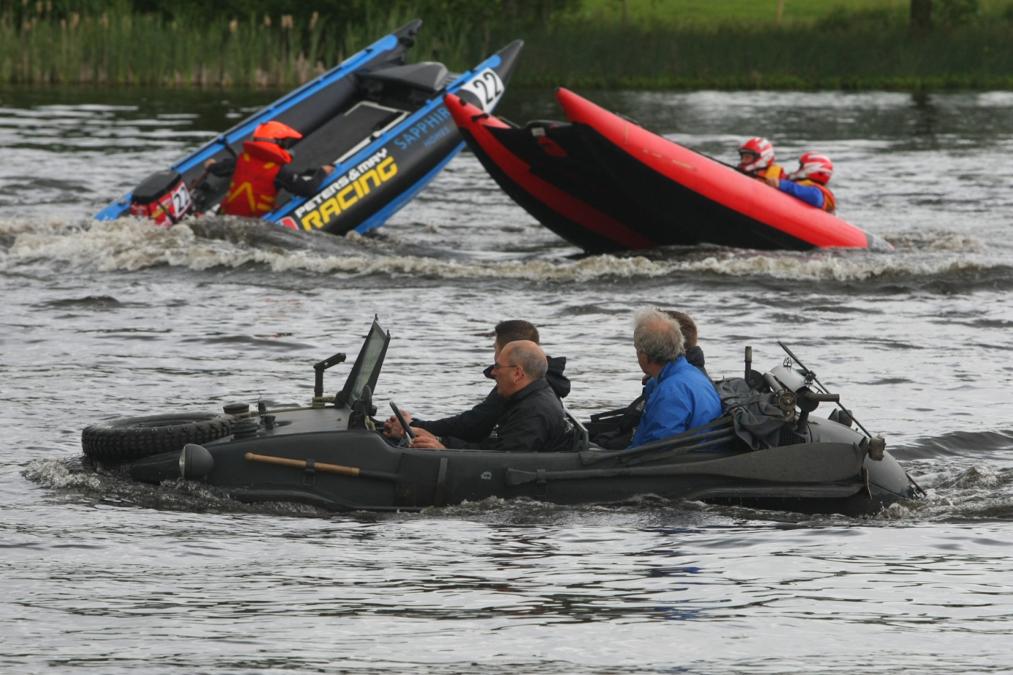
(129, 438)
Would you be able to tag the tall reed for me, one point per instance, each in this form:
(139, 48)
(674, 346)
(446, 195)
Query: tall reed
(791, 57)
(118, 47)
(849, 51)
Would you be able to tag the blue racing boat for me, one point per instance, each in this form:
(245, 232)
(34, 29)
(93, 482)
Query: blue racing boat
(378, 120)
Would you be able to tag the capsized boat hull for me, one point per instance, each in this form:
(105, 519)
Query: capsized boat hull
(379, 121)
(604, 183)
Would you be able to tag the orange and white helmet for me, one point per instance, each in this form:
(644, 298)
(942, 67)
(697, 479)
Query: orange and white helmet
(817, 168)
(276, 132)
(755, 154)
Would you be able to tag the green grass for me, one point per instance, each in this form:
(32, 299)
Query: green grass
(125, 49)
(753, 12)
(683, 44)
(791, 57)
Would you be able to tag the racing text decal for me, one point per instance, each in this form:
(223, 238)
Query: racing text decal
(343, 193)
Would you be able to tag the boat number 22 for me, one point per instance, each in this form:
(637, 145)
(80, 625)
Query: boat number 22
(487, 87)
(180, 200)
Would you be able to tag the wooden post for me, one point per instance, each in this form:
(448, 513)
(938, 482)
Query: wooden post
(780, 11)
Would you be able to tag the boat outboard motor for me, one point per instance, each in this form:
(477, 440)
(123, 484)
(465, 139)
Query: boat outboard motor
(163, 197)
(785, 379)
(875, 446)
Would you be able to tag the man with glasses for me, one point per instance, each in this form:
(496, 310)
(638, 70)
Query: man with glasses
(532, 418)
(476, 424)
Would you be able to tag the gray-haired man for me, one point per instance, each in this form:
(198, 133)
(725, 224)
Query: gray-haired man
(678, 396)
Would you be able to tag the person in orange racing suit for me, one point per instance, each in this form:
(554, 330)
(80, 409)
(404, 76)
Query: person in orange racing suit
(262, 170)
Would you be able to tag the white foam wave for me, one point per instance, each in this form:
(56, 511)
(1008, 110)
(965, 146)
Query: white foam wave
(829, 266)
(62, 474)
(130, 245)
(978, 476)
(938, 241)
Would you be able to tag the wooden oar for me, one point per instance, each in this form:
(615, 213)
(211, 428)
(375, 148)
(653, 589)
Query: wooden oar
(323, 467)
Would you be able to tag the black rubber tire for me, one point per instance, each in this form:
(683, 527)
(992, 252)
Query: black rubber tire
(129, 438)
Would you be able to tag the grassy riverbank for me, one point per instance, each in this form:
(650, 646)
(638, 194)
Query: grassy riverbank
(788, 57)
(682, 44)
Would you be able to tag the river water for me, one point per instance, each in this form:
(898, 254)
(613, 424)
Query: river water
(110, 319)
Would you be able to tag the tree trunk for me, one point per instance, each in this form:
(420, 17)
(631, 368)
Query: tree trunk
(921, 16)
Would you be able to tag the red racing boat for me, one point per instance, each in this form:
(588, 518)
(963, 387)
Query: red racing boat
(604, 183)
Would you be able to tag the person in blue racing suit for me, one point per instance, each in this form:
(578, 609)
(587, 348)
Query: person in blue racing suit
(809, 182)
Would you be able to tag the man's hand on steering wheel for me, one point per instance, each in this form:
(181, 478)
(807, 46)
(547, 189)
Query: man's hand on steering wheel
(425, 440)
(392, 428)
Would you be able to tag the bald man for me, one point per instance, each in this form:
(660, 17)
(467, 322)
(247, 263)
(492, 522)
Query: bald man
(532, 419)
(476, 424)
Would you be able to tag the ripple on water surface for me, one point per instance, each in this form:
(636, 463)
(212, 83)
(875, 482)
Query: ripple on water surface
(109, 319)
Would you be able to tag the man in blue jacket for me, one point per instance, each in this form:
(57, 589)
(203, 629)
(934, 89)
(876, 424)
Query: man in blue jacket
(678, 396)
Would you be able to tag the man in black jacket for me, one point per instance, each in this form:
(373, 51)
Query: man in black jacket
(476, 424)
(531, 418)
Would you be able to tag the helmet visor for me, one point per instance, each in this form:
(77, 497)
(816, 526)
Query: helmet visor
(747, 157)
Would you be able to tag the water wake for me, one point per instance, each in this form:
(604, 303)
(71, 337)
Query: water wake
(71, 477)
(973, 444)
(927, 264)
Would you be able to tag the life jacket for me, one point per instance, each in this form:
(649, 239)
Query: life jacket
(252, 192)
(829, 202)
(772, 171)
